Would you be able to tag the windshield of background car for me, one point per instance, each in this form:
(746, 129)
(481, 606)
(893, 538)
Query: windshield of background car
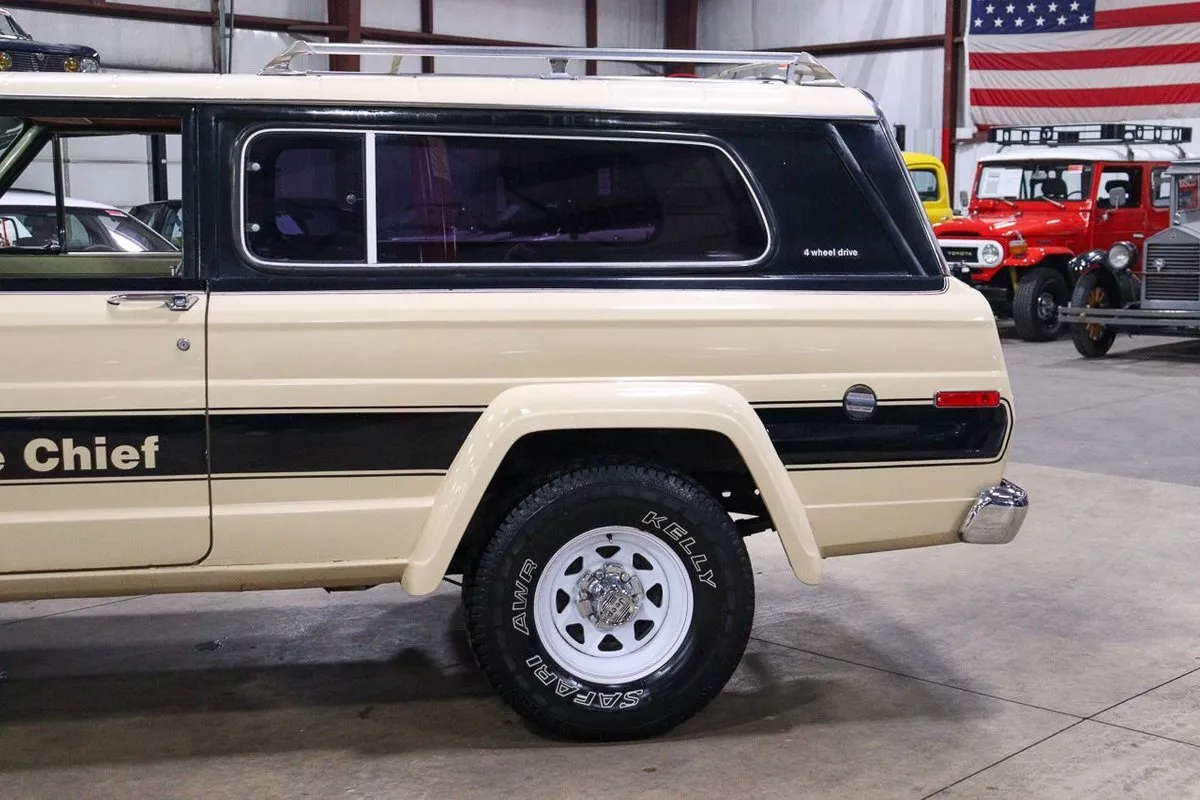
(1187, 193)
(9, 29)
(91, 230)
(1035, 180)
(926, 182)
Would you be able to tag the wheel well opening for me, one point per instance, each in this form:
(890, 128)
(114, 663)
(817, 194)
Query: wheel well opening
(707, 457)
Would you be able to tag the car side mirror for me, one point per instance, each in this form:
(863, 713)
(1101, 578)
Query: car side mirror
(963, 198)
(1117, 196)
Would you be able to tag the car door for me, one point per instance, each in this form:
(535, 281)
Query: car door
(103, 460)
(1125, 221)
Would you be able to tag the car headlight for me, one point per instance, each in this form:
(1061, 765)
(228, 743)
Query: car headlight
(89, 64)
(1121, 255)
(991, 254)
(5, 61)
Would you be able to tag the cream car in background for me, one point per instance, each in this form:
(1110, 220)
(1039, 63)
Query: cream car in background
(572, 339)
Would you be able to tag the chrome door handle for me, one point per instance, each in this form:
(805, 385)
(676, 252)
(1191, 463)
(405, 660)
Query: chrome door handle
(174, 301)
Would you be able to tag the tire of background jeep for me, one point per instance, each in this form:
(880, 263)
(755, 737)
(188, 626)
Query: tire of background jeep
(1036, 288)
(614, 602)
(1092, 341)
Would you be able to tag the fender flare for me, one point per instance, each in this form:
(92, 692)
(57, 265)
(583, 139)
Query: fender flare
(1122, 280)
(523, 410)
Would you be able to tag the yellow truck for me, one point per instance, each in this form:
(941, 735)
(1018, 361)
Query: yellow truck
(929, 176)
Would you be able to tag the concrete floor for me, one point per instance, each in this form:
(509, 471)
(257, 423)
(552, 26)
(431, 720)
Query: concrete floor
(1066, 664)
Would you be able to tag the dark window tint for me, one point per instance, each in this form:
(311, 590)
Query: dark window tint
(515, 200)
(305, 198)
(1127, 178)
(925, 180)
(827, 225)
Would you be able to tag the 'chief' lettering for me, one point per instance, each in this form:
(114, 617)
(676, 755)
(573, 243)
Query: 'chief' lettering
(48, 455)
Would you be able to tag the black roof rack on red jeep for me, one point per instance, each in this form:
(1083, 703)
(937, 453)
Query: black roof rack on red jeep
(1104, 133)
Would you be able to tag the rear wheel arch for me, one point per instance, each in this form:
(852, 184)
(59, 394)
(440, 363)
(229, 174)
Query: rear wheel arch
(619, 410)
(706, 456)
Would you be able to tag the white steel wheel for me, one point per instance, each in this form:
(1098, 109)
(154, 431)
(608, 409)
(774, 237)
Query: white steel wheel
(613, 605)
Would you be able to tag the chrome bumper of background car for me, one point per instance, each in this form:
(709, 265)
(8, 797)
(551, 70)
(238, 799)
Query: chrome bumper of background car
(996, 516)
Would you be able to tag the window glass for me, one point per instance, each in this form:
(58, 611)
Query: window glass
(1036, 180)
(1127, 178)
(305, 198)
(925, 180)
(831, 227)
(103, 172)
(538, 200)
(1188, 193)
(1162, 188)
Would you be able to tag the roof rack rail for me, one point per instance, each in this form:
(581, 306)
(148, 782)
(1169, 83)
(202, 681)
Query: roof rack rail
(792, 67)
(1105, 133)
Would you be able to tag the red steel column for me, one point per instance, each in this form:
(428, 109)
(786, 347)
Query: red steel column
(950, 90)
(591, 26)
(346, 17)
(681, 29)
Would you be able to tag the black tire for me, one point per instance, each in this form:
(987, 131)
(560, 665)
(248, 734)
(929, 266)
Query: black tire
(1091, 340)
(664, 511)
(1040, 293)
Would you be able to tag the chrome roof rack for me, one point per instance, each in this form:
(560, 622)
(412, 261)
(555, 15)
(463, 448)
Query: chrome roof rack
(789, 67)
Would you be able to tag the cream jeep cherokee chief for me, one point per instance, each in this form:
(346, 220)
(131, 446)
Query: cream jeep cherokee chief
(571, 338)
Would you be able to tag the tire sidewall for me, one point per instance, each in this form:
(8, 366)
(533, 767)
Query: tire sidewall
(1025, 310)
(721, 584)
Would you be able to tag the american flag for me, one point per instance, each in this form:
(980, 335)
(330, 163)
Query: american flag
(1037, 62)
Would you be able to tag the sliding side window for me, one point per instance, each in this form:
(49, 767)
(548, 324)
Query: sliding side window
(315, 198)
(305, 198)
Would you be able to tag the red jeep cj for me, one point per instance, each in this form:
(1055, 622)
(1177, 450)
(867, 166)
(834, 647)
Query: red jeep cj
(1050, 194)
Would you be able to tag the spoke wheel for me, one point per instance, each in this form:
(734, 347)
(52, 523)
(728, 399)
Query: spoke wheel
(1097, 298)
(613, 605)
(1092, 339)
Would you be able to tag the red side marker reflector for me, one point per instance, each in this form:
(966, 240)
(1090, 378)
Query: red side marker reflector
(966, 399)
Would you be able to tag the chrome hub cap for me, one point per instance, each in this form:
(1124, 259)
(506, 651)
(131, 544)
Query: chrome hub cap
(609, 597)
(1047, 307)
(613, 605)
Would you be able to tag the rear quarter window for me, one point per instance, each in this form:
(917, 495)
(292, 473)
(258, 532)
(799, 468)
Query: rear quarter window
(843, 202)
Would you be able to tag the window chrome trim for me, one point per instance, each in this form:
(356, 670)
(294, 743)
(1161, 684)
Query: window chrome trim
(370, 201)
(695, 140)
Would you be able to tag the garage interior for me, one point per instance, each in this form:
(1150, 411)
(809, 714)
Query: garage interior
(1065, 664)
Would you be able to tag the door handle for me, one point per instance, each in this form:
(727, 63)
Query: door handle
(174, 301)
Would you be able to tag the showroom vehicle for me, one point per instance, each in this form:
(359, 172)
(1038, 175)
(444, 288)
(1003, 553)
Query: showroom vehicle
(164, 216)
(1050, 194)
(1151, 290)
(20, 52)
(103, 236)
(526, 330)
(929, 177)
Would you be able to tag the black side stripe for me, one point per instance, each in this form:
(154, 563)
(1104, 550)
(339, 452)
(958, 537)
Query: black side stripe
(245, 443)
(112, 446)
(895, 433)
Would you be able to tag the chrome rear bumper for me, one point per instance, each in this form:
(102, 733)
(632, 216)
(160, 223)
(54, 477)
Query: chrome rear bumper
(996, 516)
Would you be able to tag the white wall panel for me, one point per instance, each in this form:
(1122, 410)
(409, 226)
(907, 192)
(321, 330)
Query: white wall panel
(758, 24)
(628, 23)
(292, 9)
(402, 15)
(543, 21)
(907, 84)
